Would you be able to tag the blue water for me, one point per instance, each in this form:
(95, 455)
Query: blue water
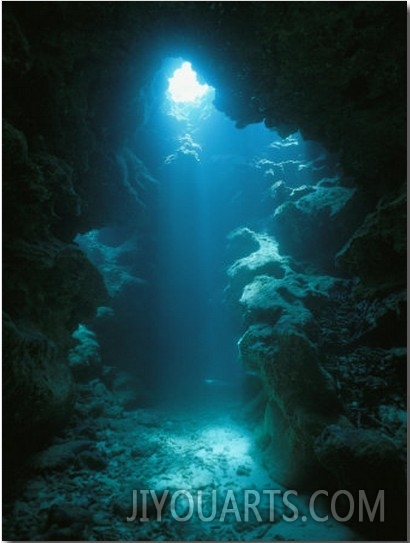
(177, 330)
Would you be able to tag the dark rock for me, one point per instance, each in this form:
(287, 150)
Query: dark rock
(16, 53)
(369, 461)
(59, 456)
(54, 287)
(313, 222)
(67, 522)
(92, 460)
(377, 250)
(302, 400)
(38, 388)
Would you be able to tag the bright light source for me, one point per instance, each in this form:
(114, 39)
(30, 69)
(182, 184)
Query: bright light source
(184, 86)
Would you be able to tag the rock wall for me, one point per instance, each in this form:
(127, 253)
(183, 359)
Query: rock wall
(326, 335)
(63, 173)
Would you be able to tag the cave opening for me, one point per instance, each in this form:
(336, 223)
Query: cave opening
(183, 85)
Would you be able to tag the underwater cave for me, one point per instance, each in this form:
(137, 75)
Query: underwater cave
(204, 271)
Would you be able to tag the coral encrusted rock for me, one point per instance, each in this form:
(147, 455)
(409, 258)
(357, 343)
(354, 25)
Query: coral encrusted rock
(264, 259)
(290, 299)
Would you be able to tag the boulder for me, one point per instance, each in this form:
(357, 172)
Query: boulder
(302, 399)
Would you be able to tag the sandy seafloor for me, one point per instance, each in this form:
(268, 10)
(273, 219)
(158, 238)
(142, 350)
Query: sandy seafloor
(83, 488)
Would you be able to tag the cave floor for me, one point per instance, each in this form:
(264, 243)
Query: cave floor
(76, 494)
